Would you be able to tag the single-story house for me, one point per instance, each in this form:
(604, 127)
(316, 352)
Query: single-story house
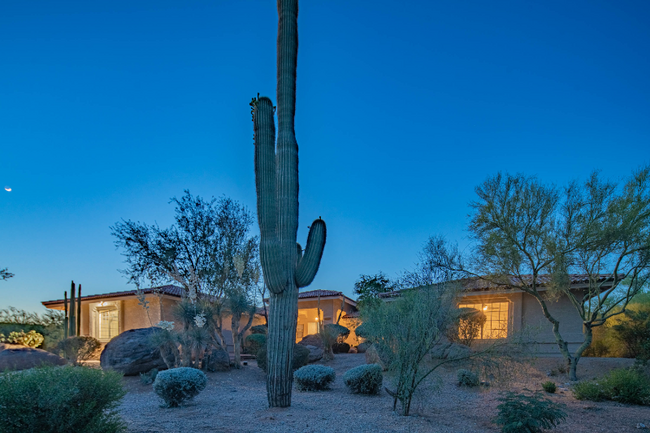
(106, 315)
(509, 310)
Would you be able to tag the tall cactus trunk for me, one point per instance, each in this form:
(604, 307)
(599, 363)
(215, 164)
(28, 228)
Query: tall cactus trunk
(66, 323)
(79, 311)
(285, 267)
(72, 310)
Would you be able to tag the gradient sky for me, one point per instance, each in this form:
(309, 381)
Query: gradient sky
(109, 108)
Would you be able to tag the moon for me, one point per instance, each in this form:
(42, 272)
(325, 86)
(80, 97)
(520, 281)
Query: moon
(7, 189)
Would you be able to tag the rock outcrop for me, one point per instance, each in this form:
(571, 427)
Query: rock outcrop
(132, 352)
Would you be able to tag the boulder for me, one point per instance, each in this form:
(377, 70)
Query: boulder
(380, 357)
(361, 348)
(15, 357)
(450, 351)
(312, 340)
(132, 352)
(315, 353)
(218, 360)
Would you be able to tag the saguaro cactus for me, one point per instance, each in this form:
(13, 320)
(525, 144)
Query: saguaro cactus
(285, 266)
(72, 325)
(72, 312)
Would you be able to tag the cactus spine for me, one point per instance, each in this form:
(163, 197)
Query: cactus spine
(285, 267)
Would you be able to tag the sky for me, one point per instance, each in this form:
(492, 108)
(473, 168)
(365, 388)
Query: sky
(110, 108)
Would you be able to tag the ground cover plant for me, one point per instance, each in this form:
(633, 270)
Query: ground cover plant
(528, 413)
(29, 339)
(178, 385)
(60, 400)
(314, 377)
(628, 386)
(364, 379)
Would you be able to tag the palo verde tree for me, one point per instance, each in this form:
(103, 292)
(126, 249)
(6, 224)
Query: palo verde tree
(286, 267)
(368, 287)
(532, 237)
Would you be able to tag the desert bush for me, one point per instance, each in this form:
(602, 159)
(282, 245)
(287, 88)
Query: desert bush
(339, 332)
(49, 324)
(634, 332)
(259, 329)
(364, 379)
(77, 349)
(467, 378)
(466, 326)
(149, 377)
(314, 377)
(521, 413)
(29, 339)
(254, 343)
(60, 400)
(627, 385)
(179, 384)
(549, 386)
(340, 347)
(362, 331)
(300, 357)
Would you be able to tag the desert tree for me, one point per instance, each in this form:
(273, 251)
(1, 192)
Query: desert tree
(286, 266)
(5, 274)
(368, 287)
(531, 236)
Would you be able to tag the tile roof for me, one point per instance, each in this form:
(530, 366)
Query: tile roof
(477, 284)
(317, 293)
(170, 290)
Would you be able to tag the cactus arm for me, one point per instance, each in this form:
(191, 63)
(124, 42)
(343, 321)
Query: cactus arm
(309, 263)
(79, 311)
(72, 312)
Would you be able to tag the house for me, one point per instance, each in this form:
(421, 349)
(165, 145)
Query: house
(509, 311)
(107, 315)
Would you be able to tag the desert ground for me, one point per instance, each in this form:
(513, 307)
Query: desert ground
(235, 401)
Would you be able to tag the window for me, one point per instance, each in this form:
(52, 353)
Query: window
(496, 315)
(107, 324)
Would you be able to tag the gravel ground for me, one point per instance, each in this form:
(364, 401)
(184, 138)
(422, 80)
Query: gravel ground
(236, 402)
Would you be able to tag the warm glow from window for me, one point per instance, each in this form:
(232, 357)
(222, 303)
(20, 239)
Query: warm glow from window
(496, 315)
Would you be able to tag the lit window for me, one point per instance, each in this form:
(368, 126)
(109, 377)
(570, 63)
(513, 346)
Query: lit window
(108, 326)
(496, 315)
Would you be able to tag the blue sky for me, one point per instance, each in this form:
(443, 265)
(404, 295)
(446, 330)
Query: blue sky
(108, 109)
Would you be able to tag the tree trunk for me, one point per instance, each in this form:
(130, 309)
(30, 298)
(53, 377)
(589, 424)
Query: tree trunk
(283, 317)
(573, 363)
(236, 338)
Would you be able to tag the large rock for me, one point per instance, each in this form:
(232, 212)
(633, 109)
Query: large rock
(132, 352)
(315, 353)
(450, 351)
(312, 340)
(15, 357)
(218, 360)
(379, 357)
(361, 348)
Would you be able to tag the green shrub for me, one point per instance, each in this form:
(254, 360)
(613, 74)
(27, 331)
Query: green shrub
(149, 377)
(254, 342)
(520, 413)
(60, 400)
(362, 331)
(314, 377)
(340, 347)
(29, 339)
(177, 385)
(259, 329)
(628, 386)
(300, 357)
(338, 332)
(466, 326)
(549, 386)
(467, 378)
(77, 349)
(364, 379)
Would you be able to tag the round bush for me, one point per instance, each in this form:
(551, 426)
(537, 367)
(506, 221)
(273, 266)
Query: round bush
(254, 342)
(549, 387)
(314, 377)
(338, 332)
(340, 347)
(467, 378)
(300, 357)
(179, 384)
(78, 348)
(259, 329)
(60, 400)
(364, 379)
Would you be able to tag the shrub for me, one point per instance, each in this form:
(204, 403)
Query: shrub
(364, 379)
(629, 386)
(520, 413)
(77, 349)
(634, 332)
(259, 329)
(466, 326)
(300, 357)
(338, 332)
(254, 342)
(29, 339)
(60, 399)
(149, 377)
(549, 386)
(467, 378)
(340, 347)
(314, 377)
(179, 384)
